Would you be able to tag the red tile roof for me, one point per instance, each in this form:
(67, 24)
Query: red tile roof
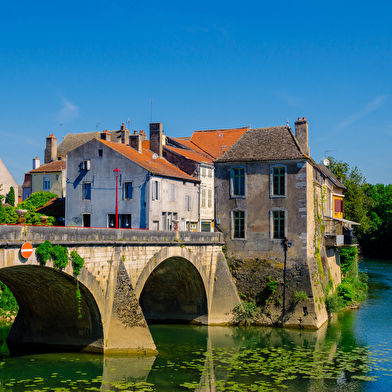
(190, 154)
(215, 142)
(52, 167)
(144, 159)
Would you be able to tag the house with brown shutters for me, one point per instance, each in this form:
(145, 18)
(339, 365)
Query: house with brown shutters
(272, 211)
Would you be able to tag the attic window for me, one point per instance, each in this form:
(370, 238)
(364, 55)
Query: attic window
(100, 152)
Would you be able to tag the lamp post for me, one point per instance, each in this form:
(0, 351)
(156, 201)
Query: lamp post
(116, 173)
(285, 244)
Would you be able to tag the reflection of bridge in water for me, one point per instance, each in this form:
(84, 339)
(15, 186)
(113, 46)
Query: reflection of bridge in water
(128, 277)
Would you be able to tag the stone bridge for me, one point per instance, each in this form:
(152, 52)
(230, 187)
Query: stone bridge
(129, 277)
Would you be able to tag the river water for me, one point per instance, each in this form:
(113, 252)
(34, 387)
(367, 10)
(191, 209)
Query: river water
(352, 352)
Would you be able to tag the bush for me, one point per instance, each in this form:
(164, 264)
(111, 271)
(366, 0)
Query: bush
(348, 256)
(246, 312)
(60, 256)
(36, 200)
(44, 252)
(300, 296)
(7, 300)
(77, 262)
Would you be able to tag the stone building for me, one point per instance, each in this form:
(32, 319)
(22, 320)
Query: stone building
(270, 189)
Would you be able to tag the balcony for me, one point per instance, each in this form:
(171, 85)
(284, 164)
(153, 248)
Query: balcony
(339, 232)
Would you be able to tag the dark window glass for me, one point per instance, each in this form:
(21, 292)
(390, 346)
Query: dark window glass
(279, 188)
(239, 224)
(278, 222)
(87, 191)
(238, 181)
(127, 190)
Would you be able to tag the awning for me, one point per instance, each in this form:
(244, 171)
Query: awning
(342, 220)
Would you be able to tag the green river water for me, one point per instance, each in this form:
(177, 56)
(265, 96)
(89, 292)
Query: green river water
(352, 352)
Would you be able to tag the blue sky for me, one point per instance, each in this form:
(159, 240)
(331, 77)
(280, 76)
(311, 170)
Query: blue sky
(81, 66)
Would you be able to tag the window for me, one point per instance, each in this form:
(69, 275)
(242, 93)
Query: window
(338, 205)
(278, 180)
(100, 152)
(127, 190)
(172, 192)
(124, 221)
(238, 224)
(187, 203)
(238, 181)
(209, 198)
(86, 191)
(156, 190)
(206, 227)
(85, 165)
(46, 184)
(203, 197)
(278, 224)
(210, 173)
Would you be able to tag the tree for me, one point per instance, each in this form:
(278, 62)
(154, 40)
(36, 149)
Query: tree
(356, 201)
(11, 197)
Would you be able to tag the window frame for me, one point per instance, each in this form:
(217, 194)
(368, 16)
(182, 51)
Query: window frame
(233, 224)
(156, 190)
(272, 223)
(233, 185)
(86, 185)
(46, 183)
(272, 181)
(125, 185)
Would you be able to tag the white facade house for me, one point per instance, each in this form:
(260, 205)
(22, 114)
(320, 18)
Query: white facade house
(152, 193)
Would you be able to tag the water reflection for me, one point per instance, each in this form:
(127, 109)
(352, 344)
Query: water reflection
(231, 358)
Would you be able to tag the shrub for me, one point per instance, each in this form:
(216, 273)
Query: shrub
(7, 300)
(300, 296)
(36, 200)
(271, 285)
(77, 262)
(60, 256)
(44, 252)
(348, 257)
(246, 312)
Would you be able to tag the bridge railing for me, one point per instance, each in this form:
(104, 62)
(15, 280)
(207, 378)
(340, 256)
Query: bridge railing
(36, 234)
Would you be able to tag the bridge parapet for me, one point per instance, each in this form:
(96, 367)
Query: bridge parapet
(15, 234)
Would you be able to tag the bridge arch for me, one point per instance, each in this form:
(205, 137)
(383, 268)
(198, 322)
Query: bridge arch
(48, 317)
(173, 288)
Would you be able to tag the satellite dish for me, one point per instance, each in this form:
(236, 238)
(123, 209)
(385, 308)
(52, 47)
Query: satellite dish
(154, 156)
(326, 162)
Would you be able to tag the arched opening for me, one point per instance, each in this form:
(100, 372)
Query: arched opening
(174, 293)
(50, 316)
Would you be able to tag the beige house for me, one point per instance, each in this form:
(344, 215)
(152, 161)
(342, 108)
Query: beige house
(49, 177)
(7, 181)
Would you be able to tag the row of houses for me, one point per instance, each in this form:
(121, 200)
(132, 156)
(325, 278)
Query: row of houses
(253, 184)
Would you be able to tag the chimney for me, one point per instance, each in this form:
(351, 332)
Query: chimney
(135, 141)
(36, 163)
(156, 136)
(301, 133)
(124, 136)
(105, 135)
(51, 149)
(122, 127)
